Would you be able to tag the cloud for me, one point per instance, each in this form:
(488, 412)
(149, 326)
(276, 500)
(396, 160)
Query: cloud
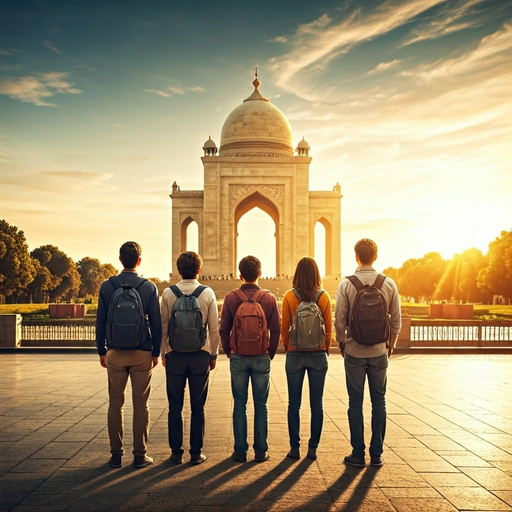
(315, 44)
(51, 47)
(160, 93)
(176, 90)
(8, 51)
(35, 89)
(492, 51)
(384, 66)
(279, 39)
(80, 175)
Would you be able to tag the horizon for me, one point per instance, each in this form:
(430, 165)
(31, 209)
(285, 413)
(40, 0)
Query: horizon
(406, 104)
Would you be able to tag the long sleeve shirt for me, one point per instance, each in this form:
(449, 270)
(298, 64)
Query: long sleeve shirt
(290, 305)
(344, 300)
(149, 295)
(269, 305)
(209, 311)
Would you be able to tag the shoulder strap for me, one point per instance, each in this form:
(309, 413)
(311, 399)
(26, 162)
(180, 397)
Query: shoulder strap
(199, 290)
(297, 294)
(318, 294)
(356, 282)
(114, 280)
(176, 291)
(379, 281)
(141, 282)
(240, 294)
(258, 295)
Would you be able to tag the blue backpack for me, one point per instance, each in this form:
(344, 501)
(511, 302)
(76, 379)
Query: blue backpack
(127, 325)
(186, 330)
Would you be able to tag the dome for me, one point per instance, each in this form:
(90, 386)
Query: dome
(209, 144)
(256, 126)
(303, 144)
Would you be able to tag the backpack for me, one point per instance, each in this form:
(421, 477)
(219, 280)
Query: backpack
(186, 330)
(127, 326)
(308, 328)
(368, 321)
(249, 334)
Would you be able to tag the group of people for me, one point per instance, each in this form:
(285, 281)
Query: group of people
(250, 340)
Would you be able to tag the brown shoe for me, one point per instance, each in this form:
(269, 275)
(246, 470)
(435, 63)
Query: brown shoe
(141, 461)
(197, 459)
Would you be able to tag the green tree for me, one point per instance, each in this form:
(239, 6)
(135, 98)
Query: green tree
(16, 267)
(92, 274)
(497, 275)
(39, 288)
(65, 279)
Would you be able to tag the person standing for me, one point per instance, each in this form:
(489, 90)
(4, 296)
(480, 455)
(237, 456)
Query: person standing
(130, 352)
(192, 365)
(306, 357)
(249, 335)
(366, 360)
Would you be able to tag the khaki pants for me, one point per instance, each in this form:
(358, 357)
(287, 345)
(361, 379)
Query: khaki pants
(137, 364)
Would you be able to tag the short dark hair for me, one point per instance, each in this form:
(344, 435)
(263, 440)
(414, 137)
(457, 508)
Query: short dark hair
(366, 249)
(249, 267)
(306, 279)
(189, 264)
(130, 253)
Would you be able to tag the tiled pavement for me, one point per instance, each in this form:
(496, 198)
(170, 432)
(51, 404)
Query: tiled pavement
(448, 442)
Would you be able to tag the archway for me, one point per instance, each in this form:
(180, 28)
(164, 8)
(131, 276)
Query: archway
(263, 204)
(189, 235)
(323, 246)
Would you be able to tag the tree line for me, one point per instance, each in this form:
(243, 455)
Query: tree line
(47, 274)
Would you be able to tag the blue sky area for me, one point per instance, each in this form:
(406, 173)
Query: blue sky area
(407, 104)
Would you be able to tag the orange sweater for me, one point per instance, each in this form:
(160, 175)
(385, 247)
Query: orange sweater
(290, 305)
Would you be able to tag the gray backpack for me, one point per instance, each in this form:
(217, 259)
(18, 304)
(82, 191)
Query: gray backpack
(186, 330)
(308, 328)
(127, 326)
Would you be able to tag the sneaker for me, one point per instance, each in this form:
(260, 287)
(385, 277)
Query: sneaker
(176, 458)
(261, 456)
(116, 460)
(377, 461)
(197, 459)
(294, 453)
(239, 457)
(311, 453)
(358, 462)
(141, 461)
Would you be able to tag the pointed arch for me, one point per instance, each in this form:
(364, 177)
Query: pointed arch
(184, 232)
(328, 244)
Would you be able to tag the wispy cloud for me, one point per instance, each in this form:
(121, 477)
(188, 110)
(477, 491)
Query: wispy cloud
(492, 51)
(279, 39)
(8, 51)
(51, 47)
(79, 175)
(315, 44)
(384, 66)
(447, 21)
(36, 89)
(176, 90)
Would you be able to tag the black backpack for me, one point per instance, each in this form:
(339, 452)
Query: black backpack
(368, 321)
(127, 325)
(186, 330)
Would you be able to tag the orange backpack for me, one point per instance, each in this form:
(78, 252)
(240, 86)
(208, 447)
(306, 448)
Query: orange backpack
(249, 334)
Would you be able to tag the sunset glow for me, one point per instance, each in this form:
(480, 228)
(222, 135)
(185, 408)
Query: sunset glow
(407, 104)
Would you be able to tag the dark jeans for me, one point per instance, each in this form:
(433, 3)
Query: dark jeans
(180, 367)
(356, 371)
(297, 364)
(257, 369)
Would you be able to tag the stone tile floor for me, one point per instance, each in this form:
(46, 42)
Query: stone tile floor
(448, 442)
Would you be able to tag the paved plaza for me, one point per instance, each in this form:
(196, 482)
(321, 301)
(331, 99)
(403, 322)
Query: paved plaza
(448, 443)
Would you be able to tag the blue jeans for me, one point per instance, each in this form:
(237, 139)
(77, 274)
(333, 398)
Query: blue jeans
(257, 368)
(297, 364)
(356, 370)
(181, 367)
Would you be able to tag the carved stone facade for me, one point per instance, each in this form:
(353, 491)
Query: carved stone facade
(256, 167)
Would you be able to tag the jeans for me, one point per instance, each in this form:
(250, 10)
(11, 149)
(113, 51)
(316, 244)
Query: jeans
(297, 364)
(257, 369)
(356, 370)
(137, 365)
(180, 367)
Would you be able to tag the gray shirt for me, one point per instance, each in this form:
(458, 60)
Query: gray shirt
(345, 297)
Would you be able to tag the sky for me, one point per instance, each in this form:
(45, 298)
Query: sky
(407, 104)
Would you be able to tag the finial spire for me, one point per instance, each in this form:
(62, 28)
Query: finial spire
(256, 82)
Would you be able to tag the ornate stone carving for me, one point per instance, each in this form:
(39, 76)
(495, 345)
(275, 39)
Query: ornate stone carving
(276, 192)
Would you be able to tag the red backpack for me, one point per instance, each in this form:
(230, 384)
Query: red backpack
(249, 334)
